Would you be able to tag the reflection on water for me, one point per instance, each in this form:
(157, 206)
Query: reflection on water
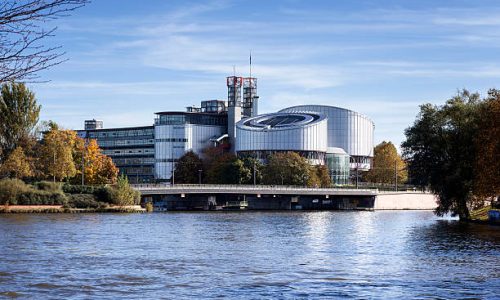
(247, 255)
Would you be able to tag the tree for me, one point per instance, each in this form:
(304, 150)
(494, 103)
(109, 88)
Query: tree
(440, 150)
(123, 194)
(286, 168)
(186, 168)
(321, 172)
(19, 113)
(56, 154)
(251, 167)
(22, 31)
(387, 161)
(487, 165)
(17, 165)
(98, 168)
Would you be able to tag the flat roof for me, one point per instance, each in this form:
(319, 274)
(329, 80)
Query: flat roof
(119, 128)
(190, 113)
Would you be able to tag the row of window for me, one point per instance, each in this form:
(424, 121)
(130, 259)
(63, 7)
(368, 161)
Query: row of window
(180, 140)
(114, 143)
(120, 133)
(201, 119)
(118, 152)
(134, 161)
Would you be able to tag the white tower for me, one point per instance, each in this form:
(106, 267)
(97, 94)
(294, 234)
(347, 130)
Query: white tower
(234, 107)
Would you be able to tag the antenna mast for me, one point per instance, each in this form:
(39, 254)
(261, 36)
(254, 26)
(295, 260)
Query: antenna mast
(250, 63)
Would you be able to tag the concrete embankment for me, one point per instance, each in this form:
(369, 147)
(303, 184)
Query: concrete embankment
(61, 209)
(405, 200)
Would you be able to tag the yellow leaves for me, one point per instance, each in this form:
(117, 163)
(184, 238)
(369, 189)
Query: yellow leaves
(386, 163)
(18, 165)
(56, 155)
(62, 152)
(99, 168)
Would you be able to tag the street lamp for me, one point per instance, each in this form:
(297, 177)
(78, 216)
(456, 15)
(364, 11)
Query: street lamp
(199, 176)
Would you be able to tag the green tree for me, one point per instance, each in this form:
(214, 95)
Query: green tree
(386, 162)
(440, 150)
(251, 167)
(286, 168)
(186, 168)
(19, 113)
(487, 165)
(17, 165)
(122, 194)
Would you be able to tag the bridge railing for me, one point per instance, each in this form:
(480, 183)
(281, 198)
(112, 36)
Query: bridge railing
(239, 187)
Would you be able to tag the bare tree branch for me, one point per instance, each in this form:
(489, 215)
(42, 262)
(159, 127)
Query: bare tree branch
(22, 32)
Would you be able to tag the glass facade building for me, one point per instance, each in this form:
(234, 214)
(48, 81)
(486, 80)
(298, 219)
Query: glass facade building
(304, 133)
(337, 161)
(131, 149)
(348, 130)
(179, 132)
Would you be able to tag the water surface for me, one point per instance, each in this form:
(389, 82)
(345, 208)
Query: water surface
(384, 254)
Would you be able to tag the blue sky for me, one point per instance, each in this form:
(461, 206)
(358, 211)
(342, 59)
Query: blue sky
(129, 59)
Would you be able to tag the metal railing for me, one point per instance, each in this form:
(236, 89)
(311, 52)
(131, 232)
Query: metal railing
(240, 187)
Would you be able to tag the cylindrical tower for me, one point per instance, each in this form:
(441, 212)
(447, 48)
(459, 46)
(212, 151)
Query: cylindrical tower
(348, 130)
(250, 97)
(304, 133)
(234, 107)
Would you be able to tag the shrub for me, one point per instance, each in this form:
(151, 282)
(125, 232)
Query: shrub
(83, 201)
(38, 197)
(78, 189)
(48, 186)
(122, 194)
(10, 189)
(103, 194)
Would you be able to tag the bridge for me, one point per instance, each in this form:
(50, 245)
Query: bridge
(206, 189)
(253, 197)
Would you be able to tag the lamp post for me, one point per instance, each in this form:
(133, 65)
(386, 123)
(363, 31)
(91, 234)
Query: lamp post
(199, 176)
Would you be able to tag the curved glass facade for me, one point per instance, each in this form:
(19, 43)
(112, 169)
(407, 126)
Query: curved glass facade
(280, 132)
(347, 129)
(338, 166)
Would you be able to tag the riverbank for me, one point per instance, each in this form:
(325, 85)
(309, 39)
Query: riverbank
(23, 209)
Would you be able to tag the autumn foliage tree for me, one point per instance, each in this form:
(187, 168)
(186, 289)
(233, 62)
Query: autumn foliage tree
(17, 165)
(386, 164)
(98, 168)
(487, 165)
(56, 154)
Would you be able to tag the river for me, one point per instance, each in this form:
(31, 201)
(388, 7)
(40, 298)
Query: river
(251, 255)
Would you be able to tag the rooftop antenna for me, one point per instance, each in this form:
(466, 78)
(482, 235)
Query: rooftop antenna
(250, 64)
(234, 70)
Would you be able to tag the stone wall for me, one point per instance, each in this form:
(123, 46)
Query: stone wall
(405, 200)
